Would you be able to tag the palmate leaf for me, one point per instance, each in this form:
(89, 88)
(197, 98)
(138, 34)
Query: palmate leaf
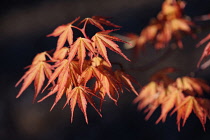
(146, 95)
(66, 74)
(172, 100)
(79, 47)
(188, 105)
(105, 83)
(150, 97)
(101, 40)
(92, 64)
(65, 33)
(80, 95)
(37, 72)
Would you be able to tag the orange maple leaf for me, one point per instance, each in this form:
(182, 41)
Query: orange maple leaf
(108, 84)
(37, 72)
(65, 33)
(79, 47)
(150, 97)
(188, 105)
(174, 98)
(101, 40)
(66, 74)
(80, 95)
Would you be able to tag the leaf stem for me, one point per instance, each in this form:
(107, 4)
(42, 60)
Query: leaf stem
(82, 31)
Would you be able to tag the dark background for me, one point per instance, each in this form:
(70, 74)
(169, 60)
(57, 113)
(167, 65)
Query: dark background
(24, 25)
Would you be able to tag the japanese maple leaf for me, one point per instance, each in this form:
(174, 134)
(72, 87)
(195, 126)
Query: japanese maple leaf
(81, 96)
(101, 40)
(150, 97)
(206, 51)
(174, 98)
(92, 64)
(37, 72)
(156, 93)
(107, 85)
(65, 33)
(98, 20)
(66, 74)
(79, 47)
(188, 105)
(148, 90)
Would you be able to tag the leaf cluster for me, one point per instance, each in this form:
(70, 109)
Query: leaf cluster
(80, 71)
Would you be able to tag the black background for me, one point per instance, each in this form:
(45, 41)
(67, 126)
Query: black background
(24, 25)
